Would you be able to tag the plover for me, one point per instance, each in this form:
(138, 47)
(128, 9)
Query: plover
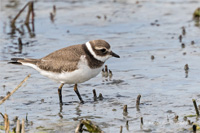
(72, 65)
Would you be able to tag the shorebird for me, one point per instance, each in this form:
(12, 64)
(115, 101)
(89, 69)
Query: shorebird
(72, 65)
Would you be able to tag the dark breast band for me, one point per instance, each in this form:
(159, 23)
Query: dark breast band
(92, 62)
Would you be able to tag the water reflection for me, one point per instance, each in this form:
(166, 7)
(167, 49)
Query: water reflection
(20, 29)
(60, 111)
(78, 110)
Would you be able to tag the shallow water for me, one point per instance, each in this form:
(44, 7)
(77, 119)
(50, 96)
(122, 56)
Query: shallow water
(136, 31)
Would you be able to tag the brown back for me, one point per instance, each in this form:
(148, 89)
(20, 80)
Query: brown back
(65, 59)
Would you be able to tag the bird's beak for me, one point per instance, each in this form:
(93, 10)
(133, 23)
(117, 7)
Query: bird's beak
(114, 55)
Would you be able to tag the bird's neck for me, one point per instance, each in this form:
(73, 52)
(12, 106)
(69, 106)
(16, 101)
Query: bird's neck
(92, 61)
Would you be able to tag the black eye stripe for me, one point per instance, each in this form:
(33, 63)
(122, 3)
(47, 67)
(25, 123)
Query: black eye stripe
(103, 50)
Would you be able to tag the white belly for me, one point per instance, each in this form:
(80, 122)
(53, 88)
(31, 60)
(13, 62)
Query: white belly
(82, 74)
(78, 76)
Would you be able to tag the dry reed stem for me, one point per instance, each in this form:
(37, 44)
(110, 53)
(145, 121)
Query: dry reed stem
(2, 115)
(6, 123)
(121, 129)
(23, 126)
(18, 127)
(6, 97)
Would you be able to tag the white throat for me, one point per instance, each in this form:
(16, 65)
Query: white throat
(100, 58)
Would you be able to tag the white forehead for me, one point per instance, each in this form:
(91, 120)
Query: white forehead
(100, 58)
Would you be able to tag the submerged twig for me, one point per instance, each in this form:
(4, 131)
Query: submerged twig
(30, 10)
(180, 38)
(110, 74)
(95, 95)
(100, 96)
(196, 13)
(26, 117)
(176, 118)
(106, 71)
(127, 126)
(20, 44)
(6, 97)
(103, 73)
(195, 106)
(121, 129)
(183, 31)
(186, 68)
(189, 122)
(125, 110)
(54, 9)
(13, 21)
(192, 42)
(183, 45)
(32, 34)
(20, 41)
(141, 120)
(138, 102)
(33, 15)
(53, 14)
(152, 57)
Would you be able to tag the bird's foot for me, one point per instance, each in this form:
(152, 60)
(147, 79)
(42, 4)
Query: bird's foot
(81, 102)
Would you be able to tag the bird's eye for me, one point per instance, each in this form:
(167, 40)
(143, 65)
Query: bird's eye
(103, 50)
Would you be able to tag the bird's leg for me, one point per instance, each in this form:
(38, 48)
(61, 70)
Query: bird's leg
(78, 94)
(60, 93)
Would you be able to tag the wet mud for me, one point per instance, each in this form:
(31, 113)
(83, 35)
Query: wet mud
(159, 45)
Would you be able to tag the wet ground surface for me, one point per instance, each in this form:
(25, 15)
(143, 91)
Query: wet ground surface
(136, 31)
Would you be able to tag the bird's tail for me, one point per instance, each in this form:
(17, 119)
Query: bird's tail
(20, 61)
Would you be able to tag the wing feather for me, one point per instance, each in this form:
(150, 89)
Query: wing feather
(65, 59)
